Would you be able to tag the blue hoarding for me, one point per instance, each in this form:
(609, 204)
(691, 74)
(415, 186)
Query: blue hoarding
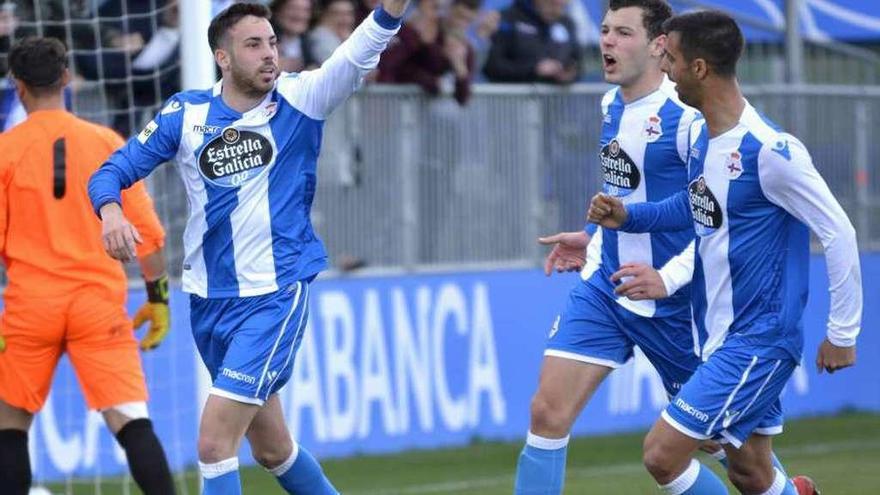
(421, 361)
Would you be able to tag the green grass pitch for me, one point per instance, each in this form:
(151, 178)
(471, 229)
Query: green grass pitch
(841, 453)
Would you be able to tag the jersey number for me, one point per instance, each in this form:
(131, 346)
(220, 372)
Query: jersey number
(59, 179)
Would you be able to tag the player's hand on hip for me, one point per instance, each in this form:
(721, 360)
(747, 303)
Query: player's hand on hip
(640, 282)
(832, 358)
(607, 211)
(568, 253)
(118, 234)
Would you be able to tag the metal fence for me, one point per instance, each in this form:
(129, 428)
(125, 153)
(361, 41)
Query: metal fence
(410, 182)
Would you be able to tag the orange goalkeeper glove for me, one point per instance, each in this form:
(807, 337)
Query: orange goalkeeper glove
(156, 311)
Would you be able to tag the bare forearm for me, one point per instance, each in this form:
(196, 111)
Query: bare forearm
(395, 7)
(153, 265)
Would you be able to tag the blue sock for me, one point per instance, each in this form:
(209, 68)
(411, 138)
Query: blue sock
(301, 474)
(695, 480)
(541, 466)
(221, 478)
(721, 457)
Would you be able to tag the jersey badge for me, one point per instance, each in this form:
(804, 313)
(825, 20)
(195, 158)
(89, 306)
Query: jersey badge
(733, 165)
(652, 130)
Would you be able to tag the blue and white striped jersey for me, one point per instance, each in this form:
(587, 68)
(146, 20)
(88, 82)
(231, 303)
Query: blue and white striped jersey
(752, 195)
(249, 178)
(643, 154)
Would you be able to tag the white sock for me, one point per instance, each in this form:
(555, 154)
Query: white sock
(213, 470)
(684, 481)
(778, 485)
(282, 468)
(546, 443)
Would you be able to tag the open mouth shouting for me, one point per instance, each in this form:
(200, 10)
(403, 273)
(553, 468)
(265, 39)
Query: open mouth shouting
(609, 62)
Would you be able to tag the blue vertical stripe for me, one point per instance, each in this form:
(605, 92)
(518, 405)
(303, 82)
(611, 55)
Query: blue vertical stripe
(764, 235)
(698, 283)
(292, 184)
(610, 130)
(665, 175)
(217, 242)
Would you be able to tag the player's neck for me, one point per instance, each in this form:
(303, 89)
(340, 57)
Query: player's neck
(32, 105)
(239, 101)
(722, 106)
(645, 85)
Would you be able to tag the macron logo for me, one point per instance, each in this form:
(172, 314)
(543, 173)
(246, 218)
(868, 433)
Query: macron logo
(238, 375)
(684, 406)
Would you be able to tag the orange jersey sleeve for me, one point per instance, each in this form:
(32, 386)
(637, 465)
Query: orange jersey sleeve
(53, 238)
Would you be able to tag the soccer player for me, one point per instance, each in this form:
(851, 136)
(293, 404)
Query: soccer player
(247, 151)
(65, 294)
(643, 151)
(752, 199)
(644, 145)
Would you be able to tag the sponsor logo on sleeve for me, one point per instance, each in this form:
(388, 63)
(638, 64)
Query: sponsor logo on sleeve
(705, 208)
(148, 131)
(781, 147)
(235, 157)
(171, 108)
(620, 173)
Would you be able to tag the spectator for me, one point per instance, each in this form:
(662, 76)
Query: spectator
(139, 64)
(364, 7)
(428, 47)
(335, 24)
(480, 36)
(536, 42)
(290, 19)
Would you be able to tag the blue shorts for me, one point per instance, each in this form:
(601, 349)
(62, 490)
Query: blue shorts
(731, 396)
(248, 343)
(595, 329)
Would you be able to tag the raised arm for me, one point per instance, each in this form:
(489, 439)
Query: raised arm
(318, 92)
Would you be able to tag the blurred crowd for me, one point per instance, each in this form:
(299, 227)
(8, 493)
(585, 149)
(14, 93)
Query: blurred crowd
(131, 47)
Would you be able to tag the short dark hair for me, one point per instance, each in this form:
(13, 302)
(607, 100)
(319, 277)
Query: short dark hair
(711, 35)
(230, 16)
(471, 4)
(654, 13)
(39, 63)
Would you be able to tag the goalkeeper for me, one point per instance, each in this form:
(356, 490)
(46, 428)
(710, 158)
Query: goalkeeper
(65, 294)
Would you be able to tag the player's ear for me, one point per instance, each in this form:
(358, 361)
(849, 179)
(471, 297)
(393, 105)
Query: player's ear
(700, 68)
(65, 78)
(221, 58)
(20, 88)
(657, 46)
